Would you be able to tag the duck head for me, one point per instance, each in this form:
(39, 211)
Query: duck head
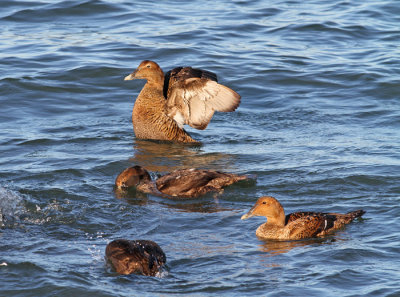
(148, 70)
(132, 177)
(268, 207)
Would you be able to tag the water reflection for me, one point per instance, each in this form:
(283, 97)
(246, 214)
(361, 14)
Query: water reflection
(131, 195)
(166, 156)
(201, 204)
(272, 248)
(276, 247)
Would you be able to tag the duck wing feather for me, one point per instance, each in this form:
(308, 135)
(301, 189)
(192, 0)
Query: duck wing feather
(309, 224)
(182, 73)
(315, 224)
(184, 182)
(192, 100)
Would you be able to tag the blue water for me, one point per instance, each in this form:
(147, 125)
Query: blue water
(319, 124)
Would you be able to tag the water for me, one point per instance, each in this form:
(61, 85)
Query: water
(318, 124)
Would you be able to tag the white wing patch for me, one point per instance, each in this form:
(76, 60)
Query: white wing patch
(179, 119)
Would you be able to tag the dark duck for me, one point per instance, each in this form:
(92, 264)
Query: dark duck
(185, 183)
(135, 256)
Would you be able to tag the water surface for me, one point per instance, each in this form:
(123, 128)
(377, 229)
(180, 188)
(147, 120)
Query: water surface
(319, 124)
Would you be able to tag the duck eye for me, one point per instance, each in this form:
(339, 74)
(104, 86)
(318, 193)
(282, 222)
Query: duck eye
(148, 66)
(264, 202)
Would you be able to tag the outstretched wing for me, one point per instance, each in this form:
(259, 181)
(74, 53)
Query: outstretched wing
(193, 100)
(182, 73)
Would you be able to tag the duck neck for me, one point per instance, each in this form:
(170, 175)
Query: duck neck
(150, 97)
(277, 218)
(154, 84)
(146, 187)
(156, 80)
(152, 90)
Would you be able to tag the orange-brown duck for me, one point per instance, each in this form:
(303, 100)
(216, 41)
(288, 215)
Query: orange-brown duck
(296, 225)
(179, 183)
(135, 256)
(183, 96)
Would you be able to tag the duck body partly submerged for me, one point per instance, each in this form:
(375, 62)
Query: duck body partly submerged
(135, 256)
(298, 225)
(186, 183)
(183, 96)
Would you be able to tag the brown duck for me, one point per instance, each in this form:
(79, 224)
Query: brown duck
(179, 183)
(135, 256)
(296, 225)
(184, 96)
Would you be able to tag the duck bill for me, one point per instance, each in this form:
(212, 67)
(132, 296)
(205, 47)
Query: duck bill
(248, 215)
(131, 76)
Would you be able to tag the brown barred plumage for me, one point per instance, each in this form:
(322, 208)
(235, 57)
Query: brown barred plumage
(296, 225)
(183, 183)
(185, 96)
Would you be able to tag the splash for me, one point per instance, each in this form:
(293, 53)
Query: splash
(95, 250)
(10, 203)
(163, 273)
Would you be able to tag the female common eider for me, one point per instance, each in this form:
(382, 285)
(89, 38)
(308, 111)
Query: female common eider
(135, 256)
(179, 183)
(296, 225)
(184, 96)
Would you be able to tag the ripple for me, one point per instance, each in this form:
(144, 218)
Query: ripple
(10, 208)
(63, 9)
(318, 125)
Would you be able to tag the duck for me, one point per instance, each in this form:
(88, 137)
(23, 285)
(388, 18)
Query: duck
(297, 225)
(185, 183)
(143, 257)
(185, 95)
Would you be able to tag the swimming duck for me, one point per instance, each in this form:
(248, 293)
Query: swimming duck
(135, 256)
(296, 225)
(182, 183)
(183, 96)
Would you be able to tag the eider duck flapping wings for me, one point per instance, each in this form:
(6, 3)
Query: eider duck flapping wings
(184, 95)
(194, 95)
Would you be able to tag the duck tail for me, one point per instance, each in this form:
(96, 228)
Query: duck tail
(355, 214)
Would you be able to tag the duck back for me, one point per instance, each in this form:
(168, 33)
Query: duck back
(316, 224)
(195, 182)
(135, 256)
